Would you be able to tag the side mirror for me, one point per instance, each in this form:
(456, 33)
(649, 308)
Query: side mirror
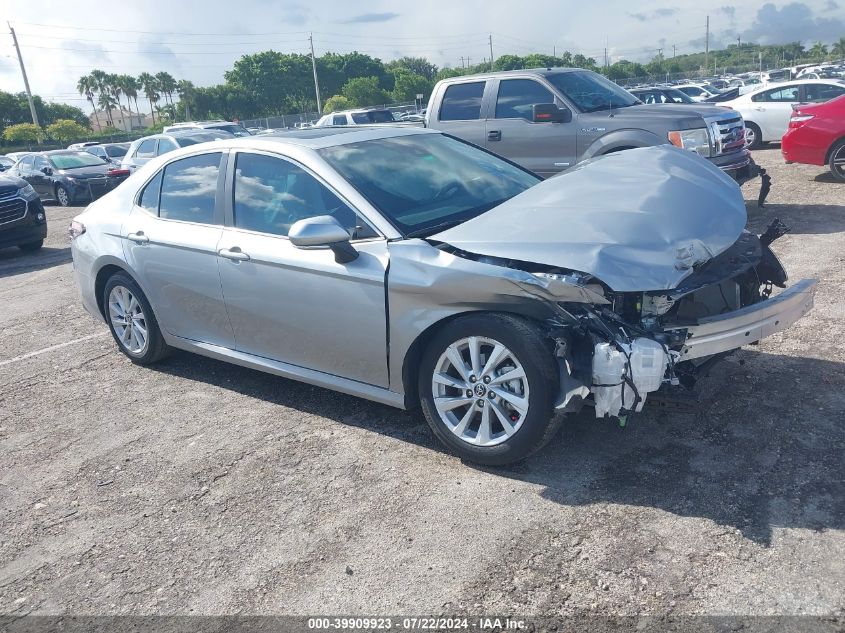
(47, 171)
(323, 230)
(550, 113)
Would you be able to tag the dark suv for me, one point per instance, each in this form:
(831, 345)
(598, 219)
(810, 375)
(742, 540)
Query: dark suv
(23, 222)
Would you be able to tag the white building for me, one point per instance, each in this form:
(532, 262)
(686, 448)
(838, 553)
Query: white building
(122, 118)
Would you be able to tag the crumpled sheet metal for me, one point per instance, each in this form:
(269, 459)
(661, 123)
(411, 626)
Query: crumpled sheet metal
(637, 220)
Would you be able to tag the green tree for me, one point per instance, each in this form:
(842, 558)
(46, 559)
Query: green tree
(336, 103)
(447, 73)
(86, 86)
(105, 99)
(508, 62)
(23, 133)
(818, 51)
(65, 130)
(167, 85)
(187, 93)
(149, 85)
(364, 91)
(408, 85)
(838, 48)
(414, 65)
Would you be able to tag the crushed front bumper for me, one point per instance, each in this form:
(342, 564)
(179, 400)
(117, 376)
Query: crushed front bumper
(744, 169)
(726, 332)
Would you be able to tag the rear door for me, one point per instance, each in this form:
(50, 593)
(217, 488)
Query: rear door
(544, 148)
(462, 111)
(143, 153)
(772, 110)
(170, 241)
(819, 93)
(39, 180)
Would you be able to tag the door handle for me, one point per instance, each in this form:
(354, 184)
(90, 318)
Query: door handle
(138, 238)
(759, 109)
(234, 253)
(494, 135)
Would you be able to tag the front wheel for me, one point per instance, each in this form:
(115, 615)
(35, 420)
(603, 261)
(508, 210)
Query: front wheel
(753, 135)
(837, 160)
(487, 385)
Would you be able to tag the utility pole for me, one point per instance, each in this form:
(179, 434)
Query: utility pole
(462, 62)
(605, 51)
(707, 44)
(490, 40)
(314, 68)
(25, 80)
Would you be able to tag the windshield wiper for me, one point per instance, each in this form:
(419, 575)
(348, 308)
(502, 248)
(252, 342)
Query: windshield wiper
(431, 230)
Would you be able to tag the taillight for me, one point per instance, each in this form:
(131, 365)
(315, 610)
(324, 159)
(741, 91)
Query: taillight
(118, 172)
(75, 229)
(798, 120)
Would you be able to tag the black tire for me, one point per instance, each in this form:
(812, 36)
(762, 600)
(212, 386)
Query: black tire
(31, 247)
(837, 152)
(156, 348)
(62, 196)
(534, 353)
(757, 143)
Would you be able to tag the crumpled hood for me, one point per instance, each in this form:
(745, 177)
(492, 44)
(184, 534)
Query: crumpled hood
(637, 220)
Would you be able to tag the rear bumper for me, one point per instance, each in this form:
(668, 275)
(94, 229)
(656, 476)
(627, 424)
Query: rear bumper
(727, 332)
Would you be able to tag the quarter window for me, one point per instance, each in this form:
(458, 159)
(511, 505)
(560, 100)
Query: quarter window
(462, 102)
(271, 194)
(518, 96)
(189, 189)
(339, 119)
(147, 148)
(166, 145)
(149, 197)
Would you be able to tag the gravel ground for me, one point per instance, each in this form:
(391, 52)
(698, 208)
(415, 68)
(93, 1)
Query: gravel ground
(199, 487)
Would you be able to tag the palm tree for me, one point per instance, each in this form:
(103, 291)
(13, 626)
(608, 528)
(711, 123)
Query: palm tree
(186, 91)
(149, 85)
(167, 84)
(113, 82)
(101, 80)
(107, 101)
(86, 86)
(131, 89)
(838, 48)
(818, 51)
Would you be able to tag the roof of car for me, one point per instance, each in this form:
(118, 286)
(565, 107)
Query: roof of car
(59, 152)
(522, 71)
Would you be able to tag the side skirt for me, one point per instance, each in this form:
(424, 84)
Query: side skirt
(285, 370)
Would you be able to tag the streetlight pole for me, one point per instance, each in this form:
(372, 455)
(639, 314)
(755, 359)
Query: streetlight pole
(314, 68)
(25, 80)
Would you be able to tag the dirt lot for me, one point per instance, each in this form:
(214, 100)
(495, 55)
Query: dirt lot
(202, 488)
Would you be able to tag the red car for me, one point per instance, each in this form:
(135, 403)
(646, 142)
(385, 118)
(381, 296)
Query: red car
(816, 136)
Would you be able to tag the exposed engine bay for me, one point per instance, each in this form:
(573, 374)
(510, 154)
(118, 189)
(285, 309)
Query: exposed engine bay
(615, 350)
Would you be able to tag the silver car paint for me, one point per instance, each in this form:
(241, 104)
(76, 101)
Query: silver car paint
(425, 284)
(636, 220)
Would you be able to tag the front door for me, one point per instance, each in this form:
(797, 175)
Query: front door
(170, 240)
(544, 148)
(300, 306)
(772, 110)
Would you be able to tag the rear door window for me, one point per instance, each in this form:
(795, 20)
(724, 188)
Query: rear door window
(517, 98)
(166, 145)
(147, 148)
(189, 189)
(462, 102)
(822, 92)
(339, 119)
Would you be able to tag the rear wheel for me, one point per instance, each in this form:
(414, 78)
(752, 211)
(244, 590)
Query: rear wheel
(753, 135)
(487, 384)
(62, 196)
(31, 247)
(132, 322)
(837, 160)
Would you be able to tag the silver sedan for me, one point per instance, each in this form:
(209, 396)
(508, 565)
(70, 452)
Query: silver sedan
(408, 267)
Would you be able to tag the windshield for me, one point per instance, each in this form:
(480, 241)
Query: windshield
(591, 92)
(424, 183)
(373, 116)
(231, 128)
(201, 137)
(116, 151)
(75, 160)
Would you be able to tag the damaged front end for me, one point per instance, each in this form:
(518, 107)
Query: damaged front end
(616, 348)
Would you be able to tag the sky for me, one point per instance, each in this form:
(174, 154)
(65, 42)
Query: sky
(200, 40)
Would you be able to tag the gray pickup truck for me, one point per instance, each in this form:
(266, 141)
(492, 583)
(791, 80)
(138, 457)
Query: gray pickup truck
(547, 120)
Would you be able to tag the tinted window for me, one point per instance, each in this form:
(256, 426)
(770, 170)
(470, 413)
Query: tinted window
(462, 102)
(97, 151)
(76, 160)
(26, 163)
(40, 162)
(822, 92)
(116, 151)
(149, 197)
(339, 119)
(434, 180)
(590, 92)
(517, 98)
(189, 187)
(147, 148)
(781, 95)
(271, 194)
(166, 145)
(373, 116)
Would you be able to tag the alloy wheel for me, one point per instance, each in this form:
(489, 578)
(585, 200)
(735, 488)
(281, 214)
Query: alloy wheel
(128, 320)
(62, 197)
(837, 162)
(480, 391)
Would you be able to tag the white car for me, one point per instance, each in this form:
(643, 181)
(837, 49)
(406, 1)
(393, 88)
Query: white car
(767, 110)
(695, 92)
